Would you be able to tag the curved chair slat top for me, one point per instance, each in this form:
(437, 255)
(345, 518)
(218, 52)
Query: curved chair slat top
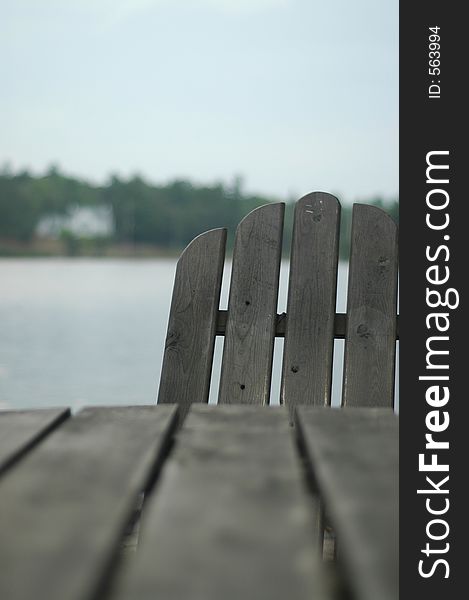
(188, 356)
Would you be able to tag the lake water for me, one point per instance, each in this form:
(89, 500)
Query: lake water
(79, 332)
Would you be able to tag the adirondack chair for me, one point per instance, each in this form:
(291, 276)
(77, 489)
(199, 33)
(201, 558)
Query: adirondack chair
(311, 324)
(237, 509)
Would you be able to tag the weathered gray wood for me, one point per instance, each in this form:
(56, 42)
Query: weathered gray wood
(187, 363)
(64, 508)
(370, 343)
(231, 517)
(223, 318)
(354, 454)
(309, 333)
(339, 325)
(21, 430)
(252, 308)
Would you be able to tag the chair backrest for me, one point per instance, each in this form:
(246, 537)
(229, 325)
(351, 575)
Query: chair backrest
(310, 325)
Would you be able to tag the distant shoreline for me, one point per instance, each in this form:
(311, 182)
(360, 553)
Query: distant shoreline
(82, 249)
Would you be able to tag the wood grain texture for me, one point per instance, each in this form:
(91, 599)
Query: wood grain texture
(252, 308)
(370, 344)
(63, 509)
(187, 362)
(309, 332)
(354, 453)
(339, 325)
(231, 517)
(21, 430)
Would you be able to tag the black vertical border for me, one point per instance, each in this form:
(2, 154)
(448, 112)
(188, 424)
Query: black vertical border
(426, 125)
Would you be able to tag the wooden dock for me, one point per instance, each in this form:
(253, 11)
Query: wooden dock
(234, 503)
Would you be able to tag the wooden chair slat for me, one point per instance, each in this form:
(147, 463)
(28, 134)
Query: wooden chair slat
(354, 454)
(309, 329)
(64, 509)
(370, 343)
(339, 325)
(252, 309)
(187, 362)
(231, 518)
(21, 430)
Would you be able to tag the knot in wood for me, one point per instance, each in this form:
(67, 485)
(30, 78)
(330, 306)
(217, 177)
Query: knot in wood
(363, 331)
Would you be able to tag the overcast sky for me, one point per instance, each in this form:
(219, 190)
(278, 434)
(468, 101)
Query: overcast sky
(295, 95)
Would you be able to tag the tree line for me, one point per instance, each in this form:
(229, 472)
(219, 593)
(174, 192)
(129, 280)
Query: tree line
(165, 216)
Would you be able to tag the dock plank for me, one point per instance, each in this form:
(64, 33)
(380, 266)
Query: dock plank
(64, 509)
(21, 430)
(355, 458)
(231, 517)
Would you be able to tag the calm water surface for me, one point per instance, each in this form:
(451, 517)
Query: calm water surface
(78, 332)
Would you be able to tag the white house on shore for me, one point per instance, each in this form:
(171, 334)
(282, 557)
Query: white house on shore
(81, 221)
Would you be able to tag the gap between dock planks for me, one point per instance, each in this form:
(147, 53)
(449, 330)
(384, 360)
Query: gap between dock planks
(64, 509)
(21, 430)
(231, 517)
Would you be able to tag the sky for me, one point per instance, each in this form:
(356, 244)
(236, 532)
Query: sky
(292, 95)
